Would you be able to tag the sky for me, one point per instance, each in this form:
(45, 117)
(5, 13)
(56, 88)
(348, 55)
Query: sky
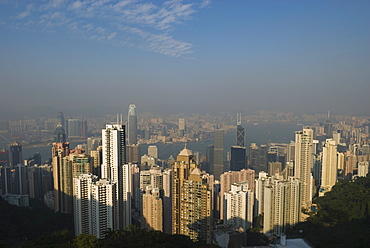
(186, 56)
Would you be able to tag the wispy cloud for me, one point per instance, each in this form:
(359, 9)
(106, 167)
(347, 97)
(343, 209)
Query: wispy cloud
(145, 23)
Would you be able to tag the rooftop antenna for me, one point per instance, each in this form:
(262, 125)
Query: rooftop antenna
(121, 120)
(117, 119)
(238, 118)
(329, 115)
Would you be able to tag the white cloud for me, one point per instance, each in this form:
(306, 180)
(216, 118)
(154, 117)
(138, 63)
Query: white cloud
(23, 15)
(120, 22)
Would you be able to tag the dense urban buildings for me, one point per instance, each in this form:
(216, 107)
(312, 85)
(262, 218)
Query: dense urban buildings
(108, 183)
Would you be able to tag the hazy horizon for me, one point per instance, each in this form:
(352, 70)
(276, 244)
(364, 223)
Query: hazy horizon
(186, 56)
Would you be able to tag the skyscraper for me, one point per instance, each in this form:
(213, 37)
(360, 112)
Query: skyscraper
(61, 120)
(132, 125)
(59, 135)
(15, 154)
(95, 205)
(304, 163)
(329, 166)
(218, 166)
(191, 199)
(240, 132)
(281, 205)
(152, 213)
(238, 158)
(62, 175)
(115, 169)
(238, 203)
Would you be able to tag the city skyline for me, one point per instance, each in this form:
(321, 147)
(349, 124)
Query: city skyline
(262, 55)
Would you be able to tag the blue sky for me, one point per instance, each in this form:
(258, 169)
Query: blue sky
(186, 56)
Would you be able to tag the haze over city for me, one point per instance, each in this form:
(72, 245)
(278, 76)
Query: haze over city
(185, 56)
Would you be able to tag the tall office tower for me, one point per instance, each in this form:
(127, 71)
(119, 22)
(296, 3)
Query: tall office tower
(152, 210)
(291, 152)
(153, 151)
(61, 121)
(281, 206)
(83, 128)
(82, 201)
(329, 166)
(92, 144)
(263, 158)
(62, 175)
(254, 155)
(4, 157)
(167, 201)
(231, 177)
(182, 127)
(96, 160)
(132, 125)
(133, 154)
(238, 158)
(240, 132)
(328, 127)
(363, 168)
(210, 151)
(73, 128)
(59, 135)
(304, 164)
(218, 161)
(238, 204)
(37, 158)
(191, 199)
(15, 154)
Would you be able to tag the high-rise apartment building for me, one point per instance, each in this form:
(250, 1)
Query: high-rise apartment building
(238, 206)
(281, 205)
(229, 178)
(95, 205)
(218, 153)
(191, 199)
(115, 169)
(152, 210)
(329, 165)
(132, 125)
(304, 164)
(62, 175)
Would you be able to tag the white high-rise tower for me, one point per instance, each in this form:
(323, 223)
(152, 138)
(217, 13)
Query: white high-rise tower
(115, 168)
(304, 163)
(329, 166)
